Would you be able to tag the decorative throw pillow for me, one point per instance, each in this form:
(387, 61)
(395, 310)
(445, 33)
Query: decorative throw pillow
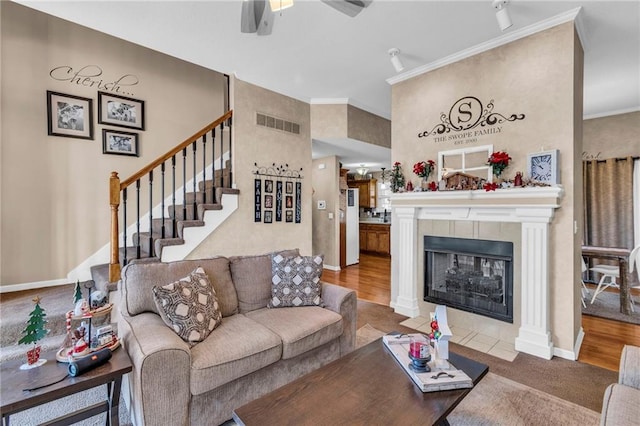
(296, 281)
(189, 306)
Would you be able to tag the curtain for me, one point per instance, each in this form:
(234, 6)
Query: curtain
(609, 203)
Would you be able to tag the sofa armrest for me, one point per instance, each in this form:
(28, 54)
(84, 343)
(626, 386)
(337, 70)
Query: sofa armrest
(344, 302)
(160, 380)
(630, 367)
(620, 405)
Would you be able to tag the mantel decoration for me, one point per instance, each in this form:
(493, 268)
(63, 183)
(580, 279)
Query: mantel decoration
(423, 169)
(269, 207)
(499, 161)
(33, 332)
(397, 178)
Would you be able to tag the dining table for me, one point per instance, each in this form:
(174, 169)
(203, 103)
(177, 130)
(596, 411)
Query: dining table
(622, 256)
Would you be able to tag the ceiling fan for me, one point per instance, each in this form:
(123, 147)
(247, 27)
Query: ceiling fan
(257, 15)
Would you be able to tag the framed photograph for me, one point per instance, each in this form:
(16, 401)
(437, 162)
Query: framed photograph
(289, 216)
(268, 201)
(268, 185)
(120, 111)
(69, 116)
(121, 143)
(289, 201)
(289, 188)
(268, 216)
(543, 167)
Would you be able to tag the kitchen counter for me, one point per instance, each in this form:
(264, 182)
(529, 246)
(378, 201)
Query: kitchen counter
(374, 221)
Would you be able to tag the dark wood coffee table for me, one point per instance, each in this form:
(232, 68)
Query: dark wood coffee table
(366, 386)
(13, 397)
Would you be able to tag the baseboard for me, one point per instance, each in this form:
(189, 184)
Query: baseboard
(571, 355)
(331, 267)
(8, 288)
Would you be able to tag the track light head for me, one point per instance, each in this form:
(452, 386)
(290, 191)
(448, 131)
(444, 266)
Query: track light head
(395, 59)
(502, 14)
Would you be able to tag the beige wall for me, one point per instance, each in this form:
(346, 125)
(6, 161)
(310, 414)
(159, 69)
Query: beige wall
(55, 210)
(329, 121)
(535, 76)
(612, 137)
(326, 230)
(367, 127)
(240, 235)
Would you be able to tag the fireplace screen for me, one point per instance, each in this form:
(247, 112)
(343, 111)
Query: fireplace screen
(471, 275)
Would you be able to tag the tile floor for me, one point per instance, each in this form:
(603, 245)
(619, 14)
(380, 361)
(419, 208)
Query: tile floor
(471, 339)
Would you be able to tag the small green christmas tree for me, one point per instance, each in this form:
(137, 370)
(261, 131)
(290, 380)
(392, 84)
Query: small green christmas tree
(78, 293)
(397, 178)
(35, 329)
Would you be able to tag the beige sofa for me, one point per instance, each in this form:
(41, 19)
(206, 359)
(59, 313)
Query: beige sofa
(254, 351)
(621, 402)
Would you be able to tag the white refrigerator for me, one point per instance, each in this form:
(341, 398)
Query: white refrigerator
(353, 227)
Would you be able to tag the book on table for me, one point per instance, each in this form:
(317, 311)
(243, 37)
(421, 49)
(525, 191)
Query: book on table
(443, 374)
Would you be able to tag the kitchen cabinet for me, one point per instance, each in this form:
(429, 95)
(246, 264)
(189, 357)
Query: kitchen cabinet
(375, 238)
(367, 192)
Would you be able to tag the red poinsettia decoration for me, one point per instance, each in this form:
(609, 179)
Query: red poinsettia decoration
(490, 186)
(499, 161)
(424, 168)
(433, 186)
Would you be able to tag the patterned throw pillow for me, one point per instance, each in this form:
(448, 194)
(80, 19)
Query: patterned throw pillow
(189, 306)
(296, 281)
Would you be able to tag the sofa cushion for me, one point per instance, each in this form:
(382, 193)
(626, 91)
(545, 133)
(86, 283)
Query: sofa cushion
(237, 347)
(252, 279)
(301, 329)
(138, 280)
(189, 306)
(296, 281)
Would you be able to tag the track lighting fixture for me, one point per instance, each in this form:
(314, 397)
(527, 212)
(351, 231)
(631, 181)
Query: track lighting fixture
(502, 14)
(395, 59)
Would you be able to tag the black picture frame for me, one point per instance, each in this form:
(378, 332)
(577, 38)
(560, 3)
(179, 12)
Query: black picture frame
(268, 186)
(120, 111)
(69, 116)
(268, 216)
(289, 188)
(289, 216)
(120, 143)
(268, 201)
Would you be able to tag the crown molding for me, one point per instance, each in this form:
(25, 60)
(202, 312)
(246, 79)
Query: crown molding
(571, 15)
(610, 113)
(329, 101)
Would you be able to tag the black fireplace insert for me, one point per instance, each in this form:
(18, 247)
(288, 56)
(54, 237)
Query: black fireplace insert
(470, 274)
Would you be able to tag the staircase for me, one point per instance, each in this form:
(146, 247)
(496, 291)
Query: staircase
(171, 228)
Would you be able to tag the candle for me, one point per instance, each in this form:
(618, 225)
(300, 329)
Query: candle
(418, 349)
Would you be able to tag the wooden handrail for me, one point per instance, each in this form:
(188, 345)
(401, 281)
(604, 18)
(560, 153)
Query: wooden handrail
(125, 183)
(116, 187)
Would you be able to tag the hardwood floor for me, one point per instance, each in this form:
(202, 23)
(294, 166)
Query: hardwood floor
(601, 346)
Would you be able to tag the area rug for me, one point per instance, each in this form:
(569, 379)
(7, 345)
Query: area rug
(500, 401)
(607, 305)
(367, 334)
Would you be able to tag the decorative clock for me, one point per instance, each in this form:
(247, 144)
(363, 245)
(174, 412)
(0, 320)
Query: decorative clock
(543, 167)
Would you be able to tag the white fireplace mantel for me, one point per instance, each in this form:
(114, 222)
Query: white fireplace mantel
(532, 207)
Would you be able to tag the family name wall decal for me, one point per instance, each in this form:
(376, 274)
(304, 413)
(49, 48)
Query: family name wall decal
(465, 115)
(90, 76)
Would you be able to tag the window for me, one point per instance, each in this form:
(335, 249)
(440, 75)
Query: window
(472, 161)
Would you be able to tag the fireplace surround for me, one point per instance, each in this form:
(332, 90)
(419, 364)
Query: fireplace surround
(532, 208)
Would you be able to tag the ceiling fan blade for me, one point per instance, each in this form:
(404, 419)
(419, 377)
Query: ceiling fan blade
(256, 17)
(348, 7)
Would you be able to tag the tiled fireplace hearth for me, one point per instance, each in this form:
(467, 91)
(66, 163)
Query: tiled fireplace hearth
(532, 208)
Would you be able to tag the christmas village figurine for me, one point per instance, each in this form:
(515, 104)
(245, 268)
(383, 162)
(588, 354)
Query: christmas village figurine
(87, 338)
(33, 332)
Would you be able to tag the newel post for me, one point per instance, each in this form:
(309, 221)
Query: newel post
(114, 201)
